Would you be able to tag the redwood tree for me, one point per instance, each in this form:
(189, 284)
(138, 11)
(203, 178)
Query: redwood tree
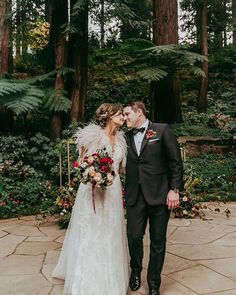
(59, 18)
(5, 37)
(78, 47)
(202, 98)
(166, 93)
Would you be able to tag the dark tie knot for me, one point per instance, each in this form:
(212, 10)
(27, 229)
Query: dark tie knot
(137, 130)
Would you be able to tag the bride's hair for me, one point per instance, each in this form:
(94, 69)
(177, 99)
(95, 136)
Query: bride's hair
(105, 112)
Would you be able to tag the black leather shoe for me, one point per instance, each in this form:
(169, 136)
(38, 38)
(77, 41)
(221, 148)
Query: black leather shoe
(135, 280)
(154, 292)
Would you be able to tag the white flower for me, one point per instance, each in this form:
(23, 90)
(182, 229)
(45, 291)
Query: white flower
(83, 165)
(90, 160)
(97, 177)
(110, 177)
(185, 199)
(185, 212)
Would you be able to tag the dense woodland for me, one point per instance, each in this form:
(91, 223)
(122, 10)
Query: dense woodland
(59, 60)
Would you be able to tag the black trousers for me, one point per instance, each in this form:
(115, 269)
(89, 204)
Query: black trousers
(137, 217)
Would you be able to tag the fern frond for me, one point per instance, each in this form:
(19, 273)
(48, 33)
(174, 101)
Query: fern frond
(20, 96)
(152, 74)
(57, 101)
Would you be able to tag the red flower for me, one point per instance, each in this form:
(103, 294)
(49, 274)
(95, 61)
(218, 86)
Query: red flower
(104, 168)
(104, 160)
(150, 134)
(75, 164)
(95, 155)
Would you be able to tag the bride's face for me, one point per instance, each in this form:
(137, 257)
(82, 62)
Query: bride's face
(117, 119)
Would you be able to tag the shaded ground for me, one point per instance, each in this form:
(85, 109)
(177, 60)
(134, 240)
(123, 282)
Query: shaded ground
(201, 256)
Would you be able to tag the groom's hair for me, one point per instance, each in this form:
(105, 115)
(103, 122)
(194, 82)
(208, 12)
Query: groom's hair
(135, 105)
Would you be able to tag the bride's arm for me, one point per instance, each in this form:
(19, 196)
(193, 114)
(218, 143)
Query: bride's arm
(82, 152)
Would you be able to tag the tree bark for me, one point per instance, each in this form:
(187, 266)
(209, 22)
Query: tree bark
(59, 18)
(202, 97)
(234, 21)
(102, 23)
(5, 38)
(166, 93)
(18, 28)
(48, 10)
(78, 61)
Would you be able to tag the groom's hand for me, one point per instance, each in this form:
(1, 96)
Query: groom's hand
(172, 200)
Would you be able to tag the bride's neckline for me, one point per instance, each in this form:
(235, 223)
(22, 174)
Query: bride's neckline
(113, 146)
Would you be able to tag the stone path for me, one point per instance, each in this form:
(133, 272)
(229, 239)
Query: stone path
(201, 256)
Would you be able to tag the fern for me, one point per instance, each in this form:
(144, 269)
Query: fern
(20, 96)
(152, 74)
(56, 100)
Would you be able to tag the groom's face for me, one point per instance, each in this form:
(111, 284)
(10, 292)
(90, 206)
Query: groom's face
(131, 117)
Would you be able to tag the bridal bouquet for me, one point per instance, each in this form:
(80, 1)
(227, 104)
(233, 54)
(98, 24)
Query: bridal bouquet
(96, 169)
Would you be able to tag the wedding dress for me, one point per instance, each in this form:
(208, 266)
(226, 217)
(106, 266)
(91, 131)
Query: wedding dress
(93, 260)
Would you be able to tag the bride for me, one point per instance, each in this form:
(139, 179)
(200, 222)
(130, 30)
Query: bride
(93, 259)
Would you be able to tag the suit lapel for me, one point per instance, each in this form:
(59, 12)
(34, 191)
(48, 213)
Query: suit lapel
(131, 138)
(145, 139)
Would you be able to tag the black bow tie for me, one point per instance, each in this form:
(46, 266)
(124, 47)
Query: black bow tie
(137, 130)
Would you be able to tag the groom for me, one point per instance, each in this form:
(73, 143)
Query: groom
(154, 176)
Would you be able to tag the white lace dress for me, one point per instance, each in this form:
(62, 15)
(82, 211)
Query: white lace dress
(93, 259)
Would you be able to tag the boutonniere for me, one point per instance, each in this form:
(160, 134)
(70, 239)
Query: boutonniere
(150, 134)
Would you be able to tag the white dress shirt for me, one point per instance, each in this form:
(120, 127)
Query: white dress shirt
(138, 138)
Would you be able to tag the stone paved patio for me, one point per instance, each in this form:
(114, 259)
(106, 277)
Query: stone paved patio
(201, 256)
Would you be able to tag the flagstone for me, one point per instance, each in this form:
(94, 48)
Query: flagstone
(179, 222)
(51, 231)
(52, 257)
(57, 290)
(229, 292)
(47, 272)
(226, 267)
(3, 233)
(20, 265)
(60, 239)
(199, 235)
(198, 252)
(170, 230)
(9, 243)
(24, 230)
(36, 248)
(228, 240)
(171, 287)
(203, 280)
(174, 263)
(34, 284)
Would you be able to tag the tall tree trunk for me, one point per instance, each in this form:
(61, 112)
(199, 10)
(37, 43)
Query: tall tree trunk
(59, 18)
(166, 93)
(78, 61)
(202, 97)
(48, 10)
(102, 23)
(24, 41)
(6, 116)
(18, 28)
(5, 37)
(234, 21)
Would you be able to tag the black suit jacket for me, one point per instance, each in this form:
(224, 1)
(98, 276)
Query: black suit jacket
(157, 169)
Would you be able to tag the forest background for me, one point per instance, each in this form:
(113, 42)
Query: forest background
(59, 60)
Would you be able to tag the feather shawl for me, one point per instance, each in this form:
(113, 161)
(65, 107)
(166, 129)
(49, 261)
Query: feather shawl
(93, 138)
